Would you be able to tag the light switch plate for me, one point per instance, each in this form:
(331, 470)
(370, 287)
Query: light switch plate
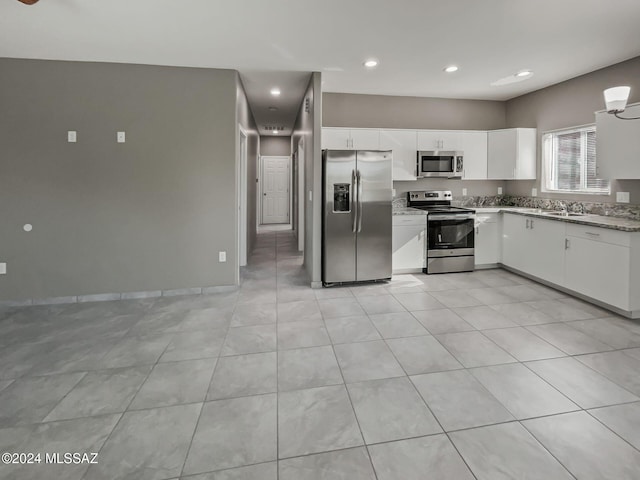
(122, 137)
(393, 192)
(72, 137)
(622, 197)
(310, 195)
(464, 192)
(499, 190)
(3, 268)
(222, 257)
(534, 192)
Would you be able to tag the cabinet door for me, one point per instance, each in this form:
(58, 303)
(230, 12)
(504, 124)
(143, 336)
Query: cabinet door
(336, 139)
(429, 140)
(408, 246)
(474, 147)
(403, 144)
(501, 162)
(487, 239)
(365, 139)
(599, 270)
(526, 154)
(515, 241)
(618, 145)
(450, 141)
(545, 257)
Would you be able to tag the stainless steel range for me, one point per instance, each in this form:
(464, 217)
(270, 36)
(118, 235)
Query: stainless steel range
(450, 232)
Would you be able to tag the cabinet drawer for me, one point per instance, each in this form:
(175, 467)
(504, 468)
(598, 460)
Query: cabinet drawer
(409, 220)
(599, 234)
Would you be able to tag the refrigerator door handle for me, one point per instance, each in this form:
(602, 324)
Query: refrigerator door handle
(354, 201)
(359, 201)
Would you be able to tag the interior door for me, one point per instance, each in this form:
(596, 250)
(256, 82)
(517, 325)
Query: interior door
(374, 241)
(275, 190)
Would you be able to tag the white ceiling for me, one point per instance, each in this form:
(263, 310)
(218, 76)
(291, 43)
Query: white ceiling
(413, 39)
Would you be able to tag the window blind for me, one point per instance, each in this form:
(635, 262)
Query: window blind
(570, 160)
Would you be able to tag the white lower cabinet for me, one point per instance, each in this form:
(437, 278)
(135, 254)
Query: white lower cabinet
(598, 268)
(408, 243)
(600, 263)
(534, 246)
(487, 239)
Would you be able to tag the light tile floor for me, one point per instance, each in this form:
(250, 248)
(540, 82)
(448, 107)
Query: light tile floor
(481, 375)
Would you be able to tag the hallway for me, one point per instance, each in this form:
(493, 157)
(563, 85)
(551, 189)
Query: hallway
(481, 375)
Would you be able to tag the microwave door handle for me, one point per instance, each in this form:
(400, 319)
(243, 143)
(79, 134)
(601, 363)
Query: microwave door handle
(354, 201)
(359, 177)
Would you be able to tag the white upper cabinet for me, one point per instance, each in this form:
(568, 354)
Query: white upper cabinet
(336, 138)
(474, 147)
(438, 140)
(365, 139)
(351, 139)
(512, 154)
(618, 145)
(403, 145)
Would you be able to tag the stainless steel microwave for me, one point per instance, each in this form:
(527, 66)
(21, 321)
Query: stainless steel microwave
(440, 163)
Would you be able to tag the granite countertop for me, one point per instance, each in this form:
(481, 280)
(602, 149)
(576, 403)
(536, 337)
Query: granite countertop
(613, 223)
(407, 211)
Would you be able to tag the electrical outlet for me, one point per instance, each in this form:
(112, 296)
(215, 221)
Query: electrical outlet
(310, 195)
(534, 192)
(222, 257)
(622, 197)
(3, 268)
(72, 137)
(464, 192)
(393, 192)
(121, 137)
(499, 190)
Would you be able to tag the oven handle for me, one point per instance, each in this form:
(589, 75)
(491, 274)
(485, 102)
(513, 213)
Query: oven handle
(449, 217)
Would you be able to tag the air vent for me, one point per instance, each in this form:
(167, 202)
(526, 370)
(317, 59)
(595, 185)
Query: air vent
(270, 128)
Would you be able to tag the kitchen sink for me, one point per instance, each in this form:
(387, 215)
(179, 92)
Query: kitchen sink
(564, 214)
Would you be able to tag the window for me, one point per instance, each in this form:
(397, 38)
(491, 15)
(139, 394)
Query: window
(570, 162)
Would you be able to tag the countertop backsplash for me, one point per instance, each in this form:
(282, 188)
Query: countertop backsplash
(620, 210)
(628, 211)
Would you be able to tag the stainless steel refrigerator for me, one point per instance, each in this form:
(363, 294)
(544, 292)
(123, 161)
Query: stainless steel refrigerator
(356, 220)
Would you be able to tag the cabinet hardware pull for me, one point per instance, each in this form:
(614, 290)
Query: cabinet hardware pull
(531, 224)
(592, 234)
(527, 226)
(566, 244)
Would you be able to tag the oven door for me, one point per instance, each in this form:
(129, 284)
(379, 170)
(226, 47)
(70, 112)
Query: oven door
(450, 235)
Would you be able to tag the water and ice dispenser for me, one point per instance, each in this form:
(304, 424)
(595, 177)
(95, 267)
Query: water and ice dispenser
(341, 197)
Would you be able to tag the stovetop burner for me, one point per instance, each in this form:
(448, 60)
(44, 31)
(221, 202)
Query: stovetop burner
(434, 201)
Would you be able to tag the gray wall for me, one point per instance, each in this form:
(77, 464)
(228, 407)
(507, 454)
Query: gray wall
(383, 111)
(308, 126)
(244, 117)
(380, 111)
(275, 146)
(569, 104)
(148, 214)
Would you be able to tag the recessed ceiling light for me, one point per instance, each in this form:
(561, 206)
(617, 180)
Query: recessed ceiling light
(275, 92)
(275, 132)
(371, 63)
(273, 109)
(451, 69)
(524, 73)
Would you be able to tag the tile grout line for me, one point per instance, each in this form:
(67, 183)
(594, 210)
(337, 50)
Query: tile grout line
(126, 409)
(195, 429)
